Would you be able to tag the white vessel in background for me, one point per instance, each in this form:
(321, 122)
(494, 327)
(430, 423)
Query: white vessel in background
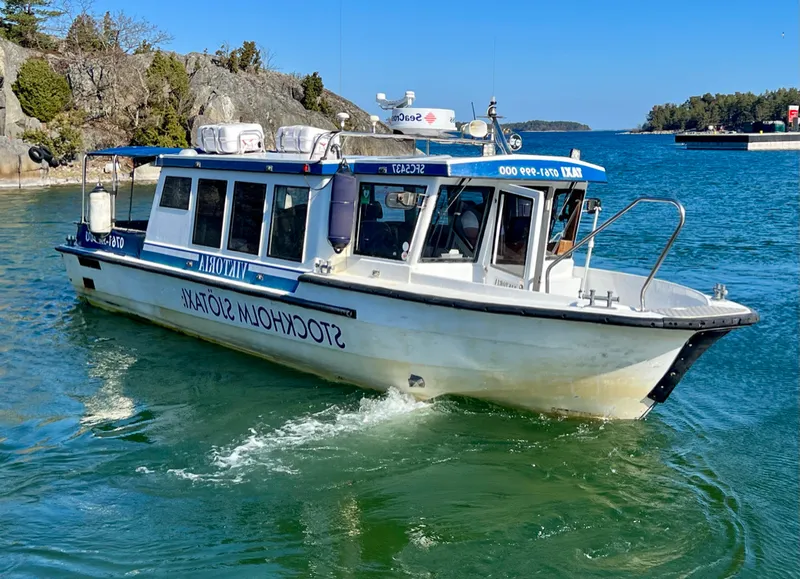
(432, 274)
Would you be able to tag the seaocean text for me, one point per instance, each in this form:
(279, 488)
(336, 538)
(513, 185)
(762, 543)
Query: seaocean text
(267, 319)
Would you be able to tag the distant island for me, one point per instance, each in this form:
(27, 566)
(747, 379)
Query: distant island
(547, 126)
(721, 111)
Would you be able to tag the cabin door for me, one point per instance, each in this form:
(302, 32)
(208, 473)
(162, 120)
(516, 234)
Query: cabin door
(516, 237)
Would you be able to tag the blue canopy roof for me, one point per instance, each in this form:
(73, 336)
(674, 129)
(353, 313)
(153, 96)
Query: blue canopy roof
(135, 152)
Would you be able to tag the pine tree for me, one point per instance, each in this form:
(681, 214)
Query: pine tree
(165, 124)
(83, 35)
(249, 57)
(23, 20)
(312, 92)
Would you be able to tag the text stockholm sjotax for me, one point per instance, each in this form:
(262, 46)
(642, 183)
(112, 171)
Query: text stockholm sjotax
(269, 319)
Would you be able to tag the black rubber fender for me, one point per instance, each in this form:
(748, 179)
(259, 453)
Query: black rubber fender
(47, 155)
(54, 162)
(36, 154)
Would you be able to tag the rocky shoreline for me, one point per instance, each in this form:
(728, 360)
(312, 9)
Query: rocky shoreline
(43, 175)
(216, 94)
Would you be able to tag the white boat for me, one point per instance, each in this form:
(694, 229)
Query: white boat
(433, 274)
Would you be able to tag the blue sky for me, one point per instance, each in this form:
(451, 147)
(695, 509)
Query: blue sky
(604, 63)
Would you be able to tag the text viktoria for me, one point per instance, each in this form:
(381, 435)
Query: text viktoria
(222, 266)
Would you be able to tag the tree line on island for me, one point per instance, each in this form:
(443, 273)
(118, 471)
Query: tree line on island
(90, 57)
(537, 125)
(728, 111)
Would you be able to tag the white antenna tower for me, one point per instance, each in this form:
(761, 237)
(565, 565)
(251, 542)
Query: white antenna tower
(388, 105)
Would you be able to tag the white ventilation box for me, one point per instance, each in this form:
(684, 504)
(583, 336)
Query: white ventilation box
(304, 139)
(231, 138)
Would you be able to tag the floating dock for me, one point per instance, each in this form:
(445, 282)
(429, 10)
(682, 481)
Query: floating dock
(741, 141)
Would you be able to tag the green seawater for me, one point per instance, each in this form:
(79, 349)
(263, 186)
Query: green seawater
(126, 449)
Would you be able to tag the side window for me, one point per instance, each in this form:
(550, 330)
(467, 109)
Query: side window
(385, 228)
(513, 232)
(564, 219)
(209, 213)
(288, 233)
(457, 224)
(246, 217)
(175, 193)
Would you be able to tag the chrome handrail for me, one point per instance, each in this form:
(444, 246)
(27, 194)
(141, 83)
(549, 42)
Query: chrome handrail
(585, 240)
(396, 137)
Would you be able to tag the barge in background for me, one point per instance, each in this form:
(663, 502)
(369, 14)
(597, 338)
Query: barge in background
(741, 141)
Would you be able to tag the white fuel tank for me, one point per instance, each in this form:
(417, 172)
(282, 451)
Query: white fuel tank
(100, 212)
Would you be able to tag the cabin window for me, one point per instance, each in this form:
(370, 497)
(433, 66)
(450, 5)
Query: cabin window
(175, 193)
(457, 224)
(513, 233)
(564, 219)
(387, 217)
(289, 211)
(210, 211)
(246, 217)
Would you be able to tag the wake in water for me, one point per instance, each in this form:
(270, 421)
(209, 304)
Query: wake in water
(259, 449)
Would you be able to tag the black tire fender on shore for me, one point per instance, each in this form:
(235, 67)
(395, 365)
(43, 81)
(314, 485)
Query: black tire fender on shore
(54, 162)
(36, 154)
(47, 155)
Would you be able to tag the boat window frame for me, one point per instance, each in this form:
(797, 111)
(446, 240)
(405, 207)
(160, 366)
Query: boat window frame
(164, 187)
(232, 215)
(420, 206)
(272, 200)
(223, 220)
(577, 190)
(526, 257)
(493, 190)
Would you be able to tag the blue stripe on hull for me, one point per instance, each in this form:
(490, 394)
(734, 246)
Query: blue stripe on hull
(222, 267)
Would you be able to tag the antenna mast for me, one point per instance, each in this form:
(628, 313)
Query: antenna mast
(494, 60)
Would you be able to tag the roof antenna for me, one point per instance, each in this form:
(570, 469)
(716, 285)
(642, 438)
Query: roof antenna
(474, 116)
(340, 47)
(494, 60)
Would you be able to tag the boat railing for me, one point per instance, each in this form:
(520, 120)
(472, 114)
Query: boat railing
(607, 224)
(398, 137)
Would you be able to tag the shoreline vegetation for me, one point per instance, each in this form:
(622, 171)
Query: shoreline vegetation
(537, 126)
(732, 112)
(544, 126)
(76, 79)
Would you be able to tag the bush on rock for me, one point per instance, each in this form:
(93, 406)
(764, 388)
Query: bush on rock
(42, 92)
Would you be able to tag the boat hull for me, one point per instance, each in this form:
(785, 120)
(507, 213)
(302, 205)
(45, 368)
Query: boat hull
(376, 342)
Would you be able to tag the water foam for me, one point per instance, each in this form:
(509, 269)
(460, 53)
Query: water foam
(422, 537)
(323, 425)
